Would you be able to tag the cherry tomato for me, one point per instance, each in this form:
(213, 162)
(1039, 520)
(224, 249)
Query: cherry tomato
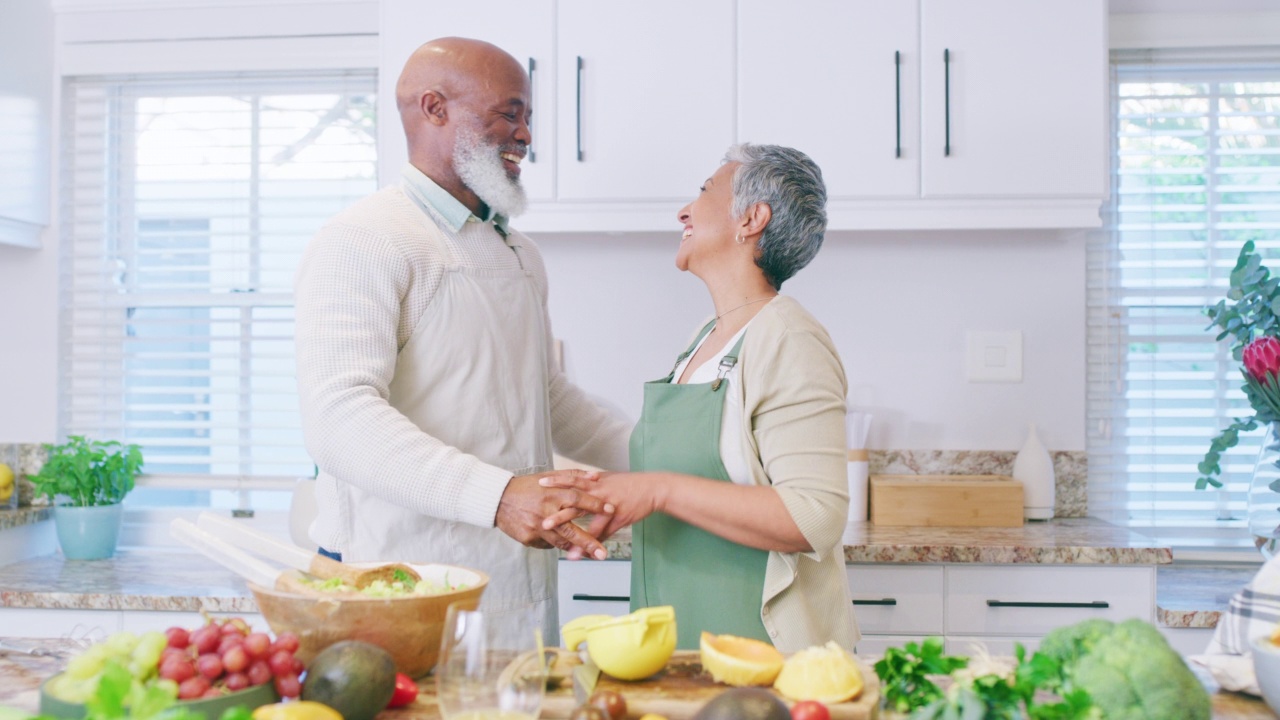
(810, 710)
(610, 702)
(406, 691)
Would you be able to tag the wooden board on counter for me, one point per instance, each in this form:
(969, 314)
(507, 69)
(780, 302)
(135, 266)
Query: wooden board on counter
(946, 501)
(680, 690)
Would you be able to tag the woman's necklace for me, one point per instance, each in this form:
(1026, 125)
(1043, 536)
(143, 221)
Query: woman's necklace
(749, 302)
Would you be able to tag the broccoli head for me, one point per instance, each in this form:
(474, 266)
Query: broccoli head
(1129, 670)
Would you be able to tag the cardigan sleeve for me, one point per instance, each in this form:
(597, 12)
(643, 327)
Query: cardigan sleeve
(795, 399)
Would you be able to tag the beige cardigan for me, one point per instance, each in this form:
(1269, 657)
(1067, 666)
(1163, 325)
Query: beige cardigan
(793, 389)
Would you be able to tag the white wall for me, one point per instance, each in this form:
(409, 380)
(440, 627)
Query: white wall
(897, 305)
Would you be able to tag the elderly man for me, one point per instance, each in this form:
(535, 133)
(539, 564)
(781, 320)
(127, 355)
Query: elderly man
(430, 399)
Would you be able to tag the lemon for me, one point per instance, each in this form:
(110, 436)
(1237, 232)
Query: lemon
(739, 661)
(6, 482)
(827, 674)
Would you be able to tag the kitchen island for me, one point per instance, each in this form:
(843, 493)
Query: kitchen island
(22, 674)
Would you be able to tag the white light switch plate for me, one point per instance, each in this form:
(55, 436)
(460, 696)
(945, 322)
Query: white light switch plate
(994, 356)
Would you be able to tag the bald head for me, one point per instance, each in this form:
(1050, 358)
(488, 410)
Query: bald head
(458, 85)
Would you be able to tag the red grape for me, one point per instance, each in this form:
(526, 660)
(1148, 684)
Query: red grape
(298, 667)
(286, 641)
(235, 659)
(228, 641)
(288, 686)
(257, 644)
(210, 666)
(192, 688)
(213, 692)
(231, 628)
(206, 639)
(177, 668)
(281, 662)
(236, 681)
(259, 672)
(178, 637)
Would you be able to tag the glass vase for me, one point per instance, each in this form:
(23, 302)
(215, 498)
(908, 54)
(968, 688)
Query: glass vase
(1264, 494)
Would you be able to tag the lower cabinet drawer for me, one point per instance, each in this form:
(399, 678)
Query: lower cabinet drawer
(594, 587)
(897, 600)
(1027, 600)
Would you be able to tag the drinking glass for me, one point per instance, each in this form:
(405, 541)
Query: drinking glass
(490, 665)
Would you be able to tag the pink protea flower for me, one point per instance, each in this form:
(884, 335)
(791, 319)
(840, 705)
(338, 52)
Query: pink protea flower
(1262, 358)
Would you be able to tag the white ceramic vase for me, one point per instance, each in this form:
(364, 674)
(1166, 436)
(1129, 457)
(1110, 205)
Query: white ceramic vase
(1034, 469)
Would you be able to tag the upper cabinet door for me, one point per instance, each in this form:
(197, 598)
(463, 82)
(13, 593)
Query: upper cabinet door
(847, 94)
(645, 97)
(524, 28)
(1014, 98)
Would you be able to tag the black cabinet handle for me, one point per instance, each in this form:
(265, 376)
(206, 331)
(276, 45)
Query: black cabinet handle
(883, 601)
(897, 103)
(1096, 604)
(579, 108)
(533, 155)
(601, 598)
(946, 65)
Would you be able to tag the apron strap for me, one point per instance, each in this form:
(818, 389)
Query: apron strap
(689, 351)
(727, 362)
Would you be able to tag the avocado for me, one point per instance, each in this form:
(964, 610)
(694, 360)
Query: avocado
(355, 678)
(744, 703)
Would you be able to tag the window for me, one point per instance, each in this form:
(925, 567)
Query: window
(1196, 174)
(186, 204)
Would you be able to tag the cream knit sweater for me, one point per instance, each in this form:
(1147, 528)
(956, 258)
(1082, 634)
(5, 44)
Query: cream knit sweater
(364, 282)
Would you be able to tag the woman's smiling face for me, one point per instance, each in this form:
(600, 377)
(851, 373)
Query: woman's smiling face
(708, 221)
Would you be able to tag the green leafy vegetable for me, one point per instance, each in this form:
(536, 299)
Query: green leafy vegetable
(88, 472)
(905, 673)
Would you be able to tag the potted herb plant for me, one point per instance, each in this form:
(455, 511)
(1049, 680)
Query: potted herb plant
(85, 481)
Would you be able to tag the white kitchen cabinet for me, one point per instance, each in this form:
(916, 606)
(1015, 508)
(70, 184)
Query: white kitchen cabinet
(527, 30)
(897, 600)
(594, 587)
(26, 120)
(645, 98)
(994, 115)
(632, 103)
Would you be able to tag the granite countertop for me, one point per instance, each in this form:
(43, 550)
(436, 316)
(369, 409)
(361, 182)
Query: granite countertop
(21, 675)
(1195, 596)
(177, 579)
(17, 517)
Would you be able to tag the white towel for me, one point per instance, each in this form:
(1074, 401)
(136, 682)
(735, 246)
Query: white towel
(1253, 612)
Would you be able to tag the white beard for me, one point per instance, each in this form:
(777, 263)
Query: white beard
(480, 169)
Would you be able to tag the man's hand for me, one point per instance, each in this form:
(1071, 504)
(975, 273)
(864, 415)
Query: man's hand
(633, 496)
(525, 504)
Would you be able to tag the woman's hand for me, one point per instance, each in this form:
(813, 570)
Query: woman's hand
(634, 496)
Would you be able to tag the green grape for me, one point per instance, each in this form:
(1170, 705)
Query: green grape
(145, 660)
(72, 690)
(122, 643)
(85, 666)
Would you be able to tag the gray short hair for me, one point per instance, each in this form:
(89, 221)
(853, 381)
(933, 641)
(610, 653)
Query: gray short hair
(790, 183)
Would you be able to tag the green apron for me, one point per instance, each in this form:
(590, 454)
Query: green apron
(714, 584)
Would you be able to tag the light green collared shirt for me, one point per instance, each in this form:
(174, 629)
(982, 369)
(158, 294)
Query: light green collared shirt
(453, 212)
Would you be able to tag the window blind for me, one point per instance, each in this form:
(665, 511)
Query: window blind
(186, 202)
(1196, 174)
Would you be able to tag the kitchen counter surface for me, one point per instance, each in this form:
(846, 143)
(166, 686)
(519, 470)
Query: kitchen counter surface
(21, 675)
(1195, 596)
(17, 517)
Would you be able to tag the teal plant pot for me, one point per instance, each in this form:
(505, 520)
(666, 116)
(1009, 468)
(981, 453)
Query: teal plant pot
(88, 533)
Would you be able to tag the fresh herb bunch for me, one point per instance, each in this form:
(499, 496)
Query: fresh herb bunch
(905, 673)
(88, 472)
(1253, 312)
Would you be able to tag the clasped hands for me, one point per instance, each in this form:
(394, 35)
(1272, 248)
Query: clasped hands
(538, 510)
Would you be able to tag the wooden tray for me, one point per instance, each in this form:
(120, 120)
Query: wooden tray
(946, 501)
(680, 690)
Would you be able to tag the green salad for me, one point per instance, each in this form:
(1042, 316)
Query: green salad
(401, 586)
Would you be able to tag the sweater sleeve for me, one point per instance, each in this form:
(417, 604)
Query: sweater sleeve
(798, 426)
(349, 299)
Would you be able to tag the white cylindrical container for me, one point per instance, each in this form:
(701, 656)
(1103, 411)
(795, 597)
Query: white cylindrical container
(858, 469)
(1034, 469)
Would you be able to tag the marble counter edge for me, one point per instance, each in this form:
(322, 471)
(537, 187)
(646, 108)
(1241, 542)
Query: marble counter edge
(113, 601)
(21, 517)
(1197, 619)
(991, 555)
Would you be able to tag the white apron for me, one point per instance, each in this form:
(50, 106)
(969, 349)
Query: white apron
(473, 375)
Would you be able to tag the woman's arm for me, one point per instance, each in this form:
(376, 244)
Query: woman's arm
(749, 515)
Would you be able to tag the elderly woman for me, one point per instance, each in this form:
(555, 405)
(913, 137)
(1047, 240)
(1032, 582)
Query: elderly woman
(737, 492)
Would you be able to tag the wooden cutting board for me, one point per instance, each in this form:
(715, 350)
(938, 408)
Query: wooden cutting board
(680, 690)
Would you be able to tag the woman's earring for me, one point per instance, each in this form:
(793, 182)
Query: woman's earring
(738, 238)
